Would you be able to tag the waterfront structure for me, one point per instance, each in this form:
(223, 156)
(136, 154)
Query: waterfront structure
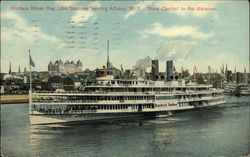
(230, 88)
(236, 83)
(242, 89)
(68, 67)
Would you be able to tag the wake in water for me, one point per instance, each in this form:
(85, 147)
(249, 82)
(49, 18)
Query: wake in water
(235, 104)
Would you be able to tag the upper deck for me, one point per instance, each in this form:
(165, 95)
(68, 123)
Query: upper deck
(139, 88)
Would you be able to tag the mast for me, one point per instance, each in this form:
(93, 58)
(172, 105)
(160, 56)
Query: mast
(108, 62)
(108, 54)
(245, 74)
(209, 79)
(30, 73)
(108, 51)
(30, 91)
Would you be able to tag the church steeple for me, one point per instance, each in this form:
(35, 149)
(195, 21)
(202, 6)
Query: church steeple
(10, 68)
(19, 70)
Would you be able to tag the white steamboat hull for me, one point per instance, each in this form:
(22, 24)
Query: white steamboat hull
(40, 119)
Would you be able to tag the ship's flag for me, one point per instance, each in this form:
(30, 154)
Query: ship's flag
(223, 69)
(223, 75)
(31, 61)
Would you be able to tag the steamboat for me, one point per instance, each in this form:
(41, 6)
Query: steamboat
(110, 98)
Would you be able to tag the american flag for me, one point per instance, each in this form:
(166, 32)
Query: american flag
(31, 61)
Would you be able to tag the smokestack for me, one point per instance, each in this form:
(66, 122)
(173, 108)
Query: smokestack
(169, 70)
(155, 69)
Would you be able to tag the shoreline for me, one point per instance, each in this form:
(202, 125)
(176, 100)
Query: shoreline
(8, 99)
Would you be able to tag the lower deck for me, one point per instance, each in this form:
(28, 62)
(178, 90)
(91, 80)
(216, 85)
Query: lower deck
(80, 115)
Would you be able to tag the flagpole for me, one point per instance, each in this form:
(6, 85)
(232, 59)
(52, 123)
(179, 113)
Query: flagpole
(208, 78)
(30, 91)
(194, 70)
(30, 74)
(181, 72)
(209, 70)
(194, 74)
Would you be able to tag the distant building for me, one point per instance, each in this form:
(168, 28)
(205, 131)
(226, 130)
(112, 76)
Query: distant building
(68, 67)
(77, 82)
(55, 82)
(19, 69)
(229, 76)
(2, 89)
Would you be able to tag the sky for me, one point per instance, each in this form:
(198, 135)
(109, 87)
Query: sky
(188, 37)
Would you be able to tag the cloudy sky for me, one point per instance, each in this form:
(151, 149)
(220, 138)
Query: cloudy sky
(201, 38)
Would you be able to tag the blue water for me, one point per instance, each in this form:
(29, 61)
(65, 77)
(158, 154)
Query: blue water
(220, 131)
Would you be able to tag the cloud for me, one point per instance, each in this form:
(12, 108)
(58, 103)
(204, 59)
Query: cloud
(141, 5)
(82, 16)
(176, 50)
(18, 37)
(22, 29)
(175, 31)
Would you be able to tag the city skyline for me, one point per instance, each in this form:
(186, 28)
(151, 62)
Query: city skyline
(203, 39)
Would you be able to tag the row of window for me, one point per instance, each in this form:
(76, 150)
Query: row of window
(98, 98)
(118, 98)
(132, 89)
(89, 107)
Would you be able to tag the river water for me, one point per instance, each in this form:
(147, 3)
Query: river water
(220, 131)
